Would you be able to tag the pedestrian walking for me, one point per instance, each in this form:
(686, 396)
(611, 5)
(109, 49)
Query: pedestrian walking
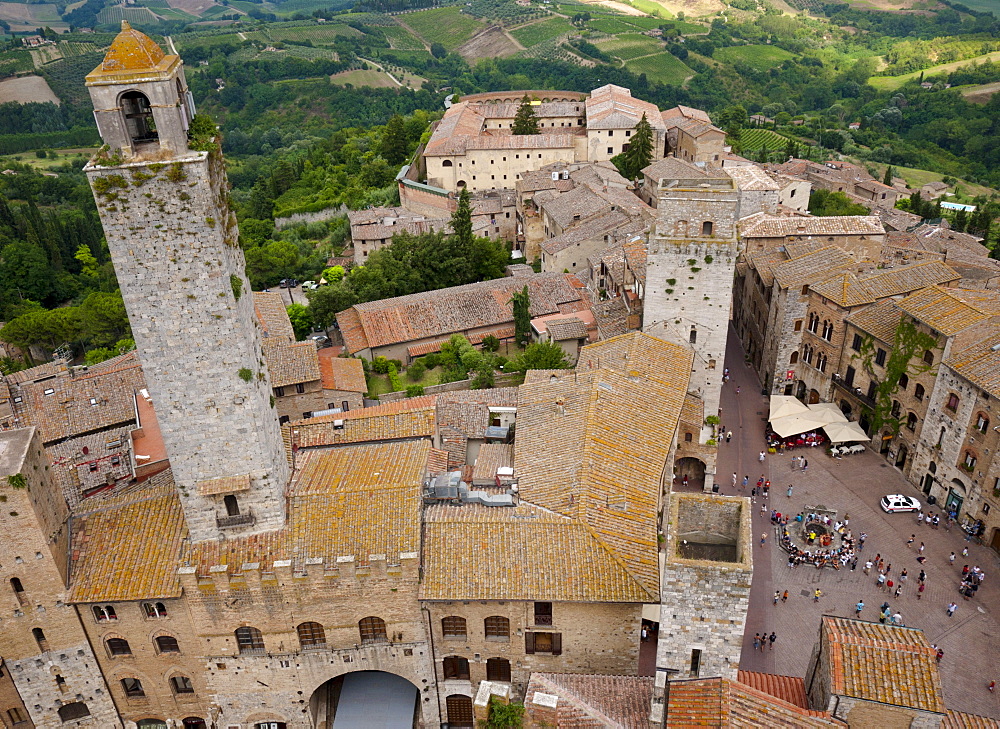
(756, 641)
(861, 541)
(951, 559)
(817, 595)
(784, 596)
(788, 491)
(858, 608)
(763, 508)
(761, 457)
(889, 584)
(903, 575)
(795, 462)
(920, 590)
(880, 581)
(888, 569)
(772, 637)
(993, 686)
(737, 391)
(965, 551)
(909, 542)
(805, 465)
(868, 567)
(939, 655)
(763, 538)
(777, 596)
(952, 607)
(644, 634)
(729, 435)
(920, 517)
(767, 488)
(854, 564)
(920, 550)
(965, 571)
(899, 589)
(734, 479)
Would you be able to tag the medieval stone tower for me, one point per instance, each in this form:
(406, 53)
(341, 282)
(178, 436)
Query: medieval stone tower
(689, 281)
(164, 204)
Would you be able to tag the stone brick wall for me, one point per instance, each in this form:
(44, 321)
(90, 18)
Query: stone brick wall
(294, 405)
(173, 242)
(10, 701)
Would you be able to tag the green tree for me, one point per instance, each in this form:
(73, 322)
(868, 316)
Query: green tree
(333, 274)
(103, 318)
(302, 320)
(640, 149)
(540, 356)
(889, 174)
(461, 221)
(326, 301)
(25, 268)
(48, 329)
(269, 263)
(505, 716)
(525, 121)
(960, 221)
(825, 203)
(395, 142)
(438, 50)
(522, 316)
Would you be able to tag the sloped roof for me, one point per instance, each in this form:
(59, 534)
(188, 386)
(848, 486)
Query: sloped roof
(791, 689)
(719, 702)
(341, 373)
(844, 289)
(584, 701)
(751, 178)
(973, 356)
(273, 316)
(816, 266)
(447, 311)
(673, 168)
(289, 364)
(961, 720)
(132, 54)
(591, 444)
(614, 107)
(903, 279)
(767, 226)
(406, 419)
(883, 663)
(880, 320)
(942, 310)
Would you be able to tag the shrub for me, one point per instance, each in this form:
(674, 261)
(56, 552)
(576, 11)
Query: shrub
(491, 343)
(432, 360)
(380, 365)
(394, 380)
(416, 370)
(414, 390)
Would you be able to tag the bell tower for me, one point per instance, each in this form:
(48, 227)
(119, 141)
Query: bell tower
(164, 204)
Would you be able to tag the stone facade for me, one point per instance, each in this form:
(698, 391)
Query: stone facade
(186, 293)
(689, 274)
(46, 653)
(708, 585)
(294, 405)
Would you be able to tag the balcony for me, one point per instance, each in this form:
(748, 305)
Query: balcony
(235, 520)
(854, 392)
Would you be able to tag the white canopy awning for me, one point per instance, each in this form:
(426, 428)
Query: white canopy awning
(844, 432)
(829, 411)
(783, 405)
(798, 423)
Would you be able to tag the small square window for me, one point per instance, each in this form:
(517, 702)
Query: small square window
(93, 401)
(611, 150)
(48, 391)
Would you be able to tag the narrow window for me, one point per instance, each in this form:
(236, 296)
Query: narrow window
(693, 336)
(695, 661)
(181, 685)
(154, 609)
(904, 380)
(929, 357)
(300, 388)
(982, 423)
(952, 402)
(498, 669)
(856, 343)
(880, 357)
(232, 505)
(39, 635)
(132, 687)
(706, 228)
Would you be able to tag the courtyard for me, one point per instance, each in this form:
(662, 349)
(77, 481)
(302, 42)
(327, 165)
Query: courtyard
(852, 486)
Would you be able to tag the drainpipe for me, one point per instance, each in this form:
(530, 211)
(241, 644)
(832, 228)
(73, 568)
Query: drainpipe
(430, 638)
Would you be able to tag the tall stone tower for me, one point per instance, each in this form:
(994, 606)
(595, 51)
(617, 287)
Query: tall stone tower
(164, 203)
(689, 281)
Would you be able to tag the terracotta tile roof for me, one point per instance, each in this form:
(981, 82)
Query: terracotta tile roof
(961, 720)
(224, 485)
(673, 168)
(882, 663)
(719, 702)
(791, 689)
(611, 317)
(418, 350)
(341, 373)
(408, 418)
(81, 401)
(774, 227)
(941, 309)
(686, 112)
(71, 459)
(592, 444)
(474, 552)
(636, 252)
(356, 501)
(491, 457)
(618, 702)
(811, 268)
(764, 262)
(39, 372)
(289, 364)
(272, 315)
(693, 411)
(129, 545)
(903, 279)
(562, 329)
(973, 356)
(844, 289)
(438, 314)
(437, 461)
(751, 178)
(594, 228)
(613, 107)
(580, 203)
(467, 411)
(880, 320)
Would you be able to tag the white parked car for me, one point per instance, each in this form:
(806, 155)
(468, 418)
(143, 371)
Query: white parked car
(310, 285)
(897, 502)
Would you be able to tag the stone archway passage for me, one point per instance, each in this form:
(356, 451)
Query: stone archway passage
(694, 469)
(366, 700)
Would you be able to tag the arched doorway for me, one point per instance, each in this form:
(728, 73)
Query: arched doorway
(193, 722)
(845, 408)
(901, 457)
(813, 397)
(956, 497)
(460, 711)
(694, 469)
(886, 441)
(800, 390)
(366, 700)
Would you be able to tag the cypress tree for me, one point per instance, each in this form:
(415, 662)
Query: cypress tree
(525, 121)
(640, 149)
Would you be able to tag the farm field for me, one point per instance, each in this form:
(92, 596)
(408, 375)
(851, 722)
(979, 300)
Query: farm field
(447, 26)
(318, 34)
(360, 77)
(134, 15)
(760, 58)
(402, 39)
(26, 89)
(894, 82)
(755, 139)
(980, 94)
(529, 35)
(23, 17)
(663, 67)
(14, 61)
(490, 43)
(630, 45)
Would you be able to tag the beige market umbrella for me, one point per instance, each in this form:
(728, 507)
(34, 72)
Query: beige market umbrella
(829, 411)
(797, 423)
(783, 405)
(844, 432)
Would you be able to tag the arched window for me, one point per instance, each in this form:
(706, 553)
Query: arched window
(929, 357)
(498, 669)
(460, 183)
(249, 641)
(132, 687)
(40, 638)
(969, 461)
(456, 667)
(911, 421)
(447, 163)
(794, 358)
(232, 505)
(918, 392)
(498, 627)
(982, 423)
(154, 610)
(894, 410)
(104, 613)
(16, 584)
(118, 647)
(903, 381)
(460, 711)
(311, 635)
(138, 117)
(372, 630)
(166, 644)
(453, 627)
(821, 362)
(76, 710)
(706, 228)
(181, 685)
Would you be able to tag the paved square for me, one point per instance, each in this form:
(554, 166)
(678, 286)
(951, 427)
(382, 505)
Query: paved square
(853, 486)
